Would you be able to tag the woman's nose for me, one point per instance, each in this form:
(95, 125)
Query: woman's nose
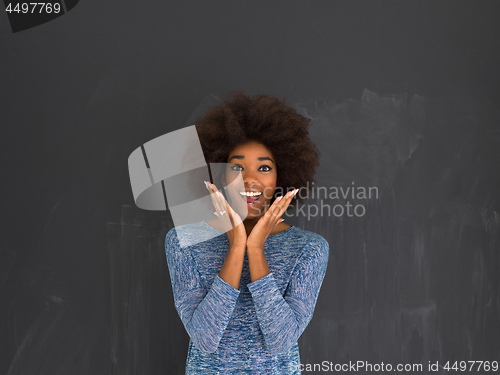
(249, 178)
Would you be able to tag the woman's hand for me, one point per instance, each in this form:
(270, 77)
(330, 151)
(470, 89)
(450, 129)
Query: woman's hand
(269, 220)
(229, 219)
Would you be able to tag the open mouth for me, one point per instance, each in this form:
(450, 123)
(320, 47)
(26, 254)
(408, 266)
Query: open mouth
(250, 197)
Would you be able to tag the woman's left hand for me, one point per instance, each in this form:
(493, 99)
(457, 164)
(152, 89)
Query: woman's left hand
(269, 220)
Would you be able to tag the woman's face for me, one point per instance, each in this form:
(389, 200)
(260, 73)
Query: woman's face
(259, 173)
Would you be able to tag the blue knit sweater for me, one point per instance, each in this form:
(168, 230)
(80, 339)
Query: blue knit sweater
(253, 330)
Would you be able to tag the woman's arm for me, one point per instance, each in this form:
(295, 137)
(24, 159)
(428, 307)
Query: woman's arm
(236, 234)
(231, 269)
(257, 261)
(205, 314)
(282, 319)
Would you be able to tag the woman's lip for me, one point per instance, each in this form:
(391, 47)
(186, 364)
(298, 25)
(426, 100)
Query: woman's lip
(244, 197)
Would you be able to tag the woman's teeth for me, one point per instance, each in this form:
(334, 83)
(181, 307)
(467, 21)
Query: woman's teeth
(250, 194)
(250, 197)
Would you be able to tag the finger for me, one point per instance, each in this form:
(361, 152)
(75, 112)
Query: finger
(227, 212)
(273, 218)
(222, 204)
(275, 208)
(285, 202)
(273, 212)
(280, 205)
(224, 212)
(215, 195)
(234, 218)
(215, 198)
(279, 221)
(233, 215)
(289, 196)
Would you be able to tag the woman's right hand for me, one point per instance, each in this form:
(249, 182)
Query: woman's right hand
(228, 218)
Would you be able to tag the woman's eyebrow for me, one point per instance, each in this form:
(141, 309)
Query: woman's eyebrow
(266, 158)
(243, 157)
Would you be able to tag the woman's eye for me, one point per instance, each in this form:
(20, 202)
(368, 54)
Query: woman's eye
(235, 166)
(264, 168)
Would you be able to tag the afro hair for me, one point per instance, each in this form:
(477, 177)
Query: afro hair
(268, 120)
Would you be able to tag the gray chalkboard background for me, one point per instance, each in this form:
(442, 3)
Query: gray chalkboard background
(403, 96)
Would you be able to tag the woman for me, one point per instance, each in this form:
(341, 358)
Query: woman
(247, 294)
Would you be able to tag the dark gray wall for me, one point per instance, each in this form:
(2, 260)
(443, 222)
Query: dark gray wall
(404, 97)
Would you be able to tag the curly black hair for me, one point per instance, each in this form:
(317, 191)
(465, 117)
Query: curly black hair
(269, 121)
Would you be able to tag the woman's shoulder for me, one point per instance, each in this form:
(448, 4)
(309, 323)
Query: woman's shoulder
(314, 248)
(309, 237)
(302, 240)
(183, 236)
(175, 233)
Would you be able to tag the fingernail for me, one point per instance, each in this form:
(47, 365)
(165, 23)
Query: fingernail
(295, 192)
(279, 198)
(206, 184)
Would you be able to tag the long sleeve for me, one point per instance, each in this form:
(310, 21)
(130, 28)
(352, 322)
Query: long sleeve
(205, 314)
(282, 319)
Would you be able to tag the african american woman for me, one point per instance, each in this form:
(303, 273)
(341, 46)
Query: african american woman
(246, 295)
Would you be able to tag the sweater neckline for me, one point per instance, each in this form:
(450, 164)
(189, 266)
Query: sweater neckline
(271, 235)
